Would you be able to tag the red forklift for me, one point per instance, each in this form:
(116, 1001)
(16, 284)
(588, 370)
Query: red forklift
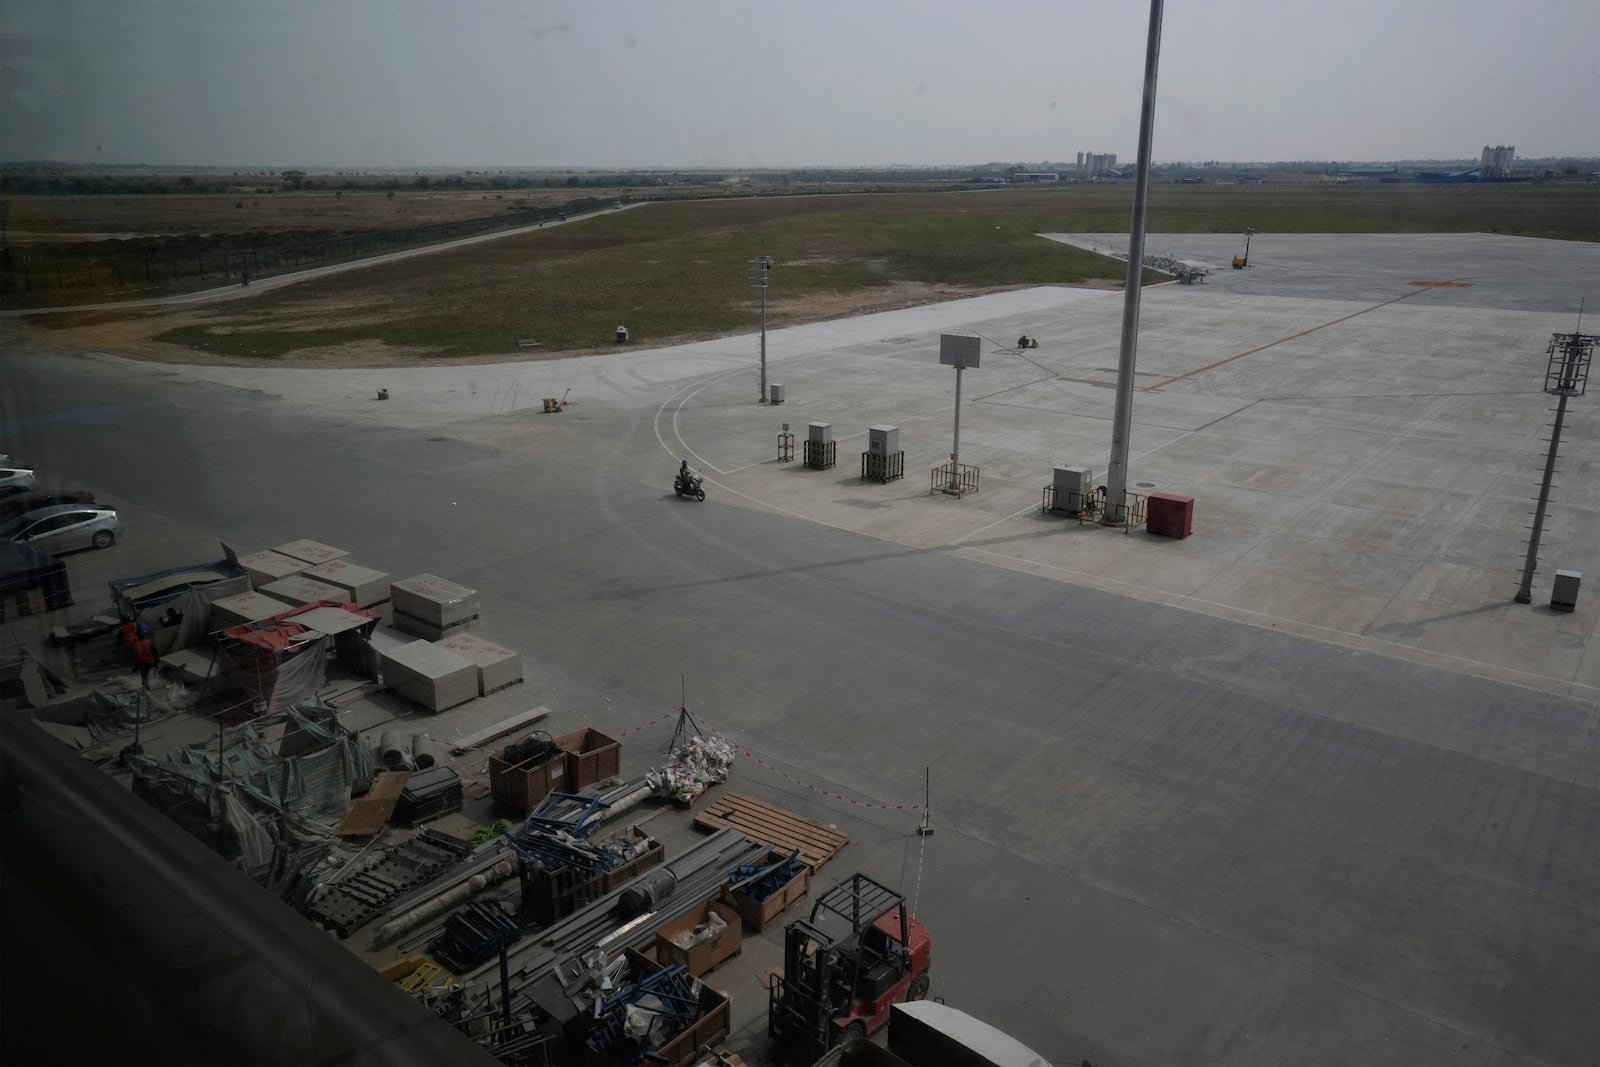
(856, 955)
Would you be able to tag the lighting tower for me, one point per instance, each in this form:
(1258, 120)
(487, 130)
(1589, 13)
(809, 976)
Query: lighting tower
(760, 268)
(1566, 374)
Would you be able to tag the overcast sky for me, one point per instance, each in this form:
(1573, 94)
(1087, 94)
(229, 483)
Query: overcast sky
(631, 83)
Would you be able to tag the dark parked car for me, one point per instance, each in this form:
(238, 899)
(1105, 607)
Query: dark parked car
(64, 527)
(22, 503)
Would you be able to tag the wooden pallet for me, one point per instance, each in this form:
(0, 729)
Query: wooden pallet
(784, 830)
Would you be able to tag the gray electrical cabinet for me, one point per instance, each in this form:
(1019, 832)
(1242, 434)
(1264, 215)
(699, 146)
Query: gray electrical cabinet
(775, 393)
(1564, 594)
(821, 432)
(883, 440)
(1072, 480)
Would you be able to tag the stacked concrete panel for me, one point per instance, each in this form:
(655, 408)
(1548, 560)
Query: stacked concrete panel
(430, 607)
(497, 667)
(363, 586)
(267, 566)
(382, 643)
(298, 590)
(244, 608)
(313, 552)
(425, 674)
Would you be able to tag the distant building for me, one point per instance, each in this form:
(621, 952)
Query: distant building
(1023, 176)
(1093, 165)
(1495, 163)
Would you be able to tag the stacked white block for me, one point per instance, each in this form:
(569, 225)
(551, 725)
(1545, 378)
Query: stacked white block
(430, 607)
(300, 590)
(313, 552)
(497, 666)
(383, 642)
(268, 566)
(363, 586)
(242, 608)
(425, 674)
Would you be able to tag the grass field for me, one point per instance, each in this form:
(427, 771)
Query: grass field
(55, 219)
(676, 270)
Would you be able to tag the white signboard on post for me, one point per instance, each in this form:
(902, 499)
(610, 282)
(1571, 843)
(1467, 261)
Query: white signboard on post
(958, 351)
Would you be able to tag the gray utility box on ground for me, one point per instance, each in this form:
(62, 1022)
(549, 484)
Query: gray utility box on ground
(820, 432)
(1071, 485)
(1564, 594)
(775, 393)
(883, 440)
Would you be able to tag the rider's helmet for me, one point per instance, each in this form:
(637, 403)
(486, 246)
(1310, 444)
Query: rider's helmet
(684, 464)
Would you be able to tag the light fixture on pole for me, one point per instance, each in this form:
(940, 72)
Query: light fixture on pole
(1566, 374)
(961, 353)
(1116, 505)
(760, 268)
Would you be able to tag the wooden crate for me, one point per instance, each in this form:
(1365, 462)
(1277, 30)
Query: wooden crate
(774, 826)
(591, 757)
(701, 958)
(521, 787)
(652, 856)
(551, 895)
(712, 1027)
(760, 913)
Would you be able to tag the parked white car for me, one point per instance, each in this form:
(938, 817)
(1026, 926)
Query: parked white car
(64, 527)
(21, 477)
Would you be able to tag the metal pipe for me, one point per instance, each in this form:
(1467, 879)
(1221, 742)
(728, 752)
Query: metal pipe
(1122, 421)
(955, 445)
(435, 906)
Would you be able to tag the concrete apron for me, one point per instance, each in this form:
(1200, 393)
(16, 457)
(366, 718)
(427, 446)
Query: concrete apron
(1363, 451)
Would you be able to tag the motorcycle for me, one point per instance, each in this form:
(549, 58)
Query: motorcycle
(689, 484)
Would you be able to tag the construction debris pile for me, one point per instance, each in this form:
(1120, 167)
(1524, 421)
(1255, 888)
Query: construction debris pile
(696, 760)
(557, 979)
(289, 774)
(759, 881)
(561, 869)
(642, 1012)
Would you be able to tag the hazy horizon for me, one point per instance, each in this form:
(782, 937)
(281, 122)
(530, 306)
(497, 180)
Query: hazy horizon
(647, 168)
(628, 85)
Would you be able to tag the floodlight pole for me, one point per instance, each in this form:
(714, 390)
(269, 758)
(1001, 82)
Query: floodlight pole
(1249, 232)
(760, 267)
(1573, 352)
(1122, 419)
(1525, 590)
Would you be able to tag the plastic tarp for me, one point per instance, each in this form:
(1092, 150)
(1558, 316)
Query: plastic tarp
(23, 568)
(257, 789)
(279, 665)
(189, 589)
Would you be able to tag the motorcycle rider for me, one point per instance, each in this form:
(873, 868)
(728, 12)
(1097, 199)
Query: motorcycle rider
(685, 478)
